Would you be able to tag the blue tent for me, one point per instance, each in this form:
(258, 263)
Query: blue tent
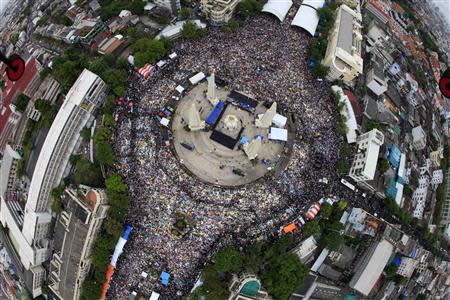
(165, 278)
(244, 140)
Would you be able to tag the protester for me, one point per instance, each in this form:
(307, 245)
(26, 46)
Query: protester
(268, 60)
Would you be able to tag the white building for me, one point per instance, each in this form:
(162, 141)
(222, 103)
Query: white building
(419, 138)
(29, 231)
(366, 158)
(420, 195)
(218, 11)
(376, 81)
(305, 249)
(278, 8)
(370, 267)
(173, 31)
(376, 34)
(437, 178)
(172, 5)
(407, 266)
(343, 54)
(348, 113)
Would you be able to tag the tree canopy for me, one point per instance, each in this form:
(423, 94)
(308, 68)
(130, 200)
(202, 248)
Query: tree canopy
(190, 30)
(311, 228)
(228, 260)
(22, 102)
(148, 51)
(283, 275)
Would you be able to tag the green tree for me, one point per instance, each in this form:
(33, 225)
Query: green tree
(250, 8)
(91, 289)
(22, 102)
(383, 165)
(14, 38)
(185, 13)
(342, 167)
(321, 71)
(283, 275)
(103, 249)
(137, 7)
(228, 260)
(214, 286)
(115, 185)
(148, 51)
(44, 73)
(331, 237)
(326, 211)
(104, 153)
(254, 258)
(311, 228)
(391, 271)
(88, 173)
(371, 124)
(189, 30)
(85, 134)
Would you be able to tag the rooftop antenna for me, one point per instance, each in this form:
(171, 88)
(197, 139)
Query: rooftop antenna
(15, 66)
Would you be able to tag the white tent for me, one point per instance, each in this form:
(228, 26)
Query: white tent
(179, 89)
(279, 120)
(154, 296)
(164, 122)
(279, 8)
(173, 55)
(307, 17)
(278, 134)
(197, 78)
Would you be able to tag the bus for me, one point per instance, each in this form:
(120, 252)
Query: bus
(348, 184)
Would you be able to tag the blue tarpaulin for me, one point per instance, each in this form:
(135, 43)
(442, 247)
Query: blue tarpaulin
(392, 189)
(244, 140)
(215, 113)
(165, 278)
(394, 156)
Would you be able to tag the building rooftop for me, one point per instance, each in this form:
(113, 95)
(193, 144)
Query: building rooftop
(74, 98)
(345, 37)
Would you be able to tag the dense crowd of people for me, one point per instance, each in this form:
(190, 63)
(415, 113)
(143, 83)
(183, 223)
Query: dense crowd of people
(267, 60)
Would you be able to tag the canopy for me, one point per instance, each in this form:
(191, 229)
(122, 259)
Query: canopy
(144, 274)
(164, 121)
(165, 278)
(307, 17)
(172, 55)
(197, 78)
(278, 8)
(278, 134)
(154, 296)
(179, 89)
(289, 228)
(279, 120)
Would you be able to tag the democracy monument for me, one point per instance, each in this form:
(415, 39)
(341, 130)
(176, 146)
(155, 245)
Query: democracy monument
(228, 138)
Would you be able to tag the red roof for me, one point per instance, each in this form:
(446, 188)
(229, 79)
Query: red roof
(14, 89)
(355, 105)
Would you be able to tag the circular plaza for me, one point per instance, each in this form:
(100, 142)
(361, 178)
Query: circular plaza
(227, 147)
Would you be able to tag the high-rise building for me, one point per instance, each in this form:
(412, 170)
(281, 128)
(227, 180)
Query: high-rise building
(366, 158)
(419, 138)
(75, 232)
(27, 222)
(370, 266)
(218, 11)
(343, 54)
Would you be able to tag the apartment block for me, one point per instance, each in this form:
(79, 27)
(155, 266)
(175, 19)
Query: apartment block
(343, 54)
